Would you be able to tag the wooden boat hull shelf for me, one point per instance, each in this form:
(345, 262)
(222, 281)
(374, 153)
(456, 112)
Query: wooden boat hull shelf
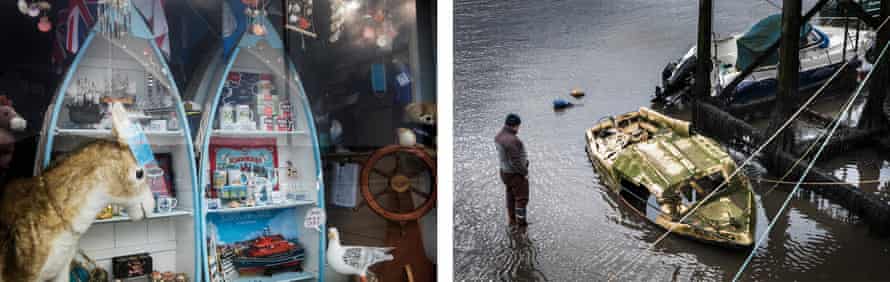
(260, 164)
(130, 69)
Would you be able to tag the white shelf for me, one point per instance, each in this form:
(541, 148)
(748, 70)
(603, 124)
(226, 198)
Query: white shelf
(287, 204)
(256, 133)
(150, 216)
(279, 277)
(155, 137)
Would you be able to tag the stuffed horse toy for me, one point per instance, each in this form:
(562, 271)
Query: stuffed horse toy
(10, 121)
(42, 218)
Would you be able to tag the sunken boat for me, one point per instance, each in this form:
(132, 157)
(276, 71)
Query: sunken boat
(662, 171)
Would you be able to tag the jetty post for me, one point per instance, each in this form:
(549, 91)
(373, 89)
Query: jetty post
(702, 85)
(874, 116)
(789, 76)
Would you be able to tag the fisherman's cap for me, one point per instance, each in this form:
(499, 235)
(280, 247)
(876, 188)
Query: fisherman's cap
(513, 120)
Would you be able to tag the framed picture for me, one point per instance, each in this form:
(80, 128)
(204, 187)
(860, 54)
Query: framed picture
(237, 158)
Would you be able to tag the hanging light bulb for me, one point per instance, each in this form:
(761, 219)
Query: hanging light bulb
(44, 25)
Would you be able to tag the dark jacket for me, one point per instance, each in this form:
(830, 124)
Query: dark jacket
(511, 152)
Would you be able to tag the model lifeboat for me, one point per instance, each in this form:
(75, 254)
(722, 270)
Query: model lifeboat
(268, 253)
(662, 171)
(269, 246)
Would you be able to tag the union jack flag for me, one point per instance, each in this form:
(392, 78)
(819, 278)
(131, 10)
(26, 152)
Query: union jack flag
(59, 54)
(78, 14)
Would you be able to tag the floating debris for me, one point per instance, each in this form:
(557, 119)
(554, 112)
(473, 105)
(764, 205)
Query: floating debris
(577, 93)
(560, 104)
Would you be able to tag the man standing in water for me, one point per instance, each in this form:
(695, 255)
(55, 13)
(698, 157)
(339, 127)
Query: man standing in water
(513, 169)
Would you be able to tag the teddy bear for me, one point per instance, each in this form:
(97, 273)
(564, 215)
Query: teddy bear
(420, 125)
(10, 122)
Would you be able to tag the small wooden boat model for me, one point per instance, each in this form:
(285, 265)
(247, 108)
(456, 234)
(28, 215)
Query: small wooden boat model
(662, 171)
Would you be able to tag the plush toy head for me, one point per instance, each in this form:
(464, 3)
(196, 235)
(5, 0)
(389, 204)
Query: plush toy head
(9, 118)
(45, 216)
(424, 113)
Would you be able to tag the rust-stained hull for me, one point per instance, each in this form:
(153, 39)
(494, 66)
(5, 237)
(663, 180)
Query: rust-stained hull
(659, 156)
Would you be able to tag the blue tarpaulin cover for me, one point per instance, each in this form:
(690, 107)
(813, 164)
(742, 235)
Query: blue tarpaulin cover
(763, 34)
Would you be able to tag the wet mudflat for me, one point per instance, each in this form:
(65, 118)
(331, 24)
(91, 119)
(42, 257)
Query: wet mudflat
(517, 56)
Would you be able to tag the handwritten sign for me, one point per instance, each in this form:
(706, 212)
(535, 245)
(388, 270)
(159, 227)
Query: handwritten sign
(315, 217)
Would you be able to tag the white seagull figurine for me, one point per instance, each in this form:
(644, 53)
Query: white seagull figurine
(354, 260)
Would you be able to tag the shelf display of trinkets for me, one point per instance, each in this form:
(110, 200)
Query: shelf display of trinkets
(250, 102)
(120, 62)
(259, 164)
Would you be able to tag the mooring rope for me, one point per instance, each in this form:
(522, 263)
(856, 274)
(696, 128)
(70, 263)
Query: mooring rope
(806, 171)
(796, 162)
(739, 168)
(869, 181)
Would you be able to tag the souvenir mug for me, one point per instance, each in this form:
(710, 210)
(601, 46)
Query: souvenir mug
(166, 204)
(245, 115)
(227, 117)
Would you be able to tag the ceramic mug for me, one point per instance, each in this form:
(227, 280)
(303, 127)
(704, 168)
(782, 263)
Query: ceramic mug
(227, 117)
(245, 115)
(166, 204)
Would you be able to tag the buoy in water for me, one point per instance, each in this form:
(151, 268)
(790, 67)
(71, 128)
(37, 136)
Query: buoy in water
(560, 104)
(577, 93)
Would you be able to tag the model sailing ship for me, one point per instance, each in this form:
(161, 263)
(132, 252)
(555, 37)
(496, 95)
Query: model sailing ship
(646, 157)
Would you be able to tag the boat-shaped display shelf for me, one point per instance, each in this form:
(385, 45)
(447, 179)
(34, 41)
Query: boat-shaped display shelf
(130, 69)
(259, 165)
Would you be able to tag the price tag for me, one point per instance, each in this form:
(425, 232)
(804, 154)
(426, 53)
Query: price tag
(315, 217)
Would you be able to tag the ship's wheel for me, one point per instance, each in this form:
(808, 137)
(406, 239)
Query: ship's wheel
(399, 182)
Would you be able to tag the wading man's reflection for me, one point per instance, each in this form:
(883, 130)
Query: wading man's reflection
(520, 258)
